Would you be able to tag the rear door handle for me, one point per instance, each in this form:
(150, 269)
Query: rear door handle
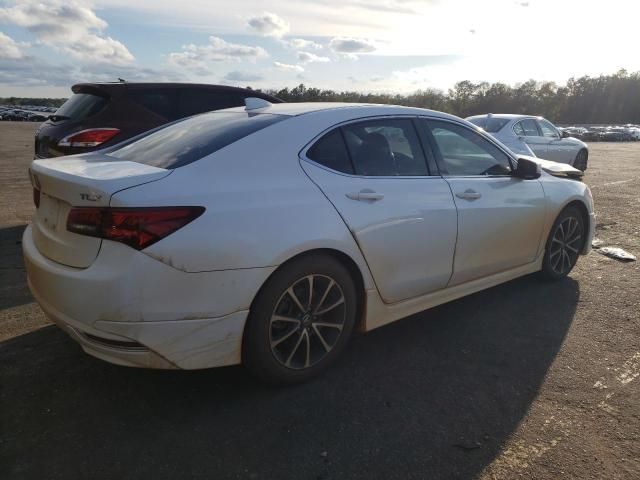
(365, 195)
(469, 195)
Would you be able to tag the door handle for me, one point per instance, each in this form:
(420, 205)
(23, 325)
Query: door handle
(365, 195)
(469, 195)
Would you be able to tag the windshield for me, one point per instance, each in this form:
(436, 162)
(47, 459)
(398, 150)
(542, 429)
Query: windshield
(186, 141)
(489, 124)
(81, 106)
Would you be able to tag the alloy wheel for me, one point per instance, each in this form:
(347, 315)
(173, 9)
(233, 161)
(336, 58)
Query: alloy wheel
(307, 321)
(565, 245)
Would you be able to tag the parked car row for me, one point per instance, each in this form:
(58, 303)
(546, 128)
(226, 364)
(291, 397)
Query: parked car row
(611, 133)
(18, 115)
(31, 108)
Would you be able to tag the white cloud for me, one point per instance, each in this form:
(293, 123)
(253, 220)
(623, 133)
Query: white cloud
(351, 46)
(239, 76)
(29, 72)
(288, 67)
(9, 48)
(308, 57)
(302, 44)
(70, 26)
(269, 24)
(197, 57)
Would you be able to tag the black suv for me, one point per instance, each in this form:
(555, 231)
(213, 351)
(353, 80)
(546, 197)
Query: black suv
(101, 114)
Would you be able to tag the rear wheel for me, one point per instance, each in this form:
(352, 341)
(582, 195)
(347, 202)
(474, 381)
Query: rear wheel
(300, 321)
(581, 160)
(564, 244)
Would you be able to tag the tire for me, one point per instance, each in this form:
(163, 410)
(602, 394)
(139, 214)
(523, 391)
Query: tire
(564, 244)
(581, 160)
(289, 340)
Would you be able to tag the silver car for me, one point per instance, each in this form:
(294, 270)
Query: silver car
(535, 136)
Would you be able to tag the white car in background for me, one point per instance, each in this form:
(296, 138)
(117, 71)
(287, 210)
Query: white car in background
(535, 136)
(266, 235)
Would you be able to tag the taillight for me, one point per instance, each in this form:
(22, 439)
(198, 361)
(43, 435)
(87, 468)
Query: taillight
(36, 197)
(89, 138)
(136, 227)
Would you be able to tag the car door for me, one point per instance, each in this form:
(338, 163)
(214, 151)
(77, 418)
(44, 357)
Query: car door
(533, 137)
(403, 218)
(559, 149)
(500, 217)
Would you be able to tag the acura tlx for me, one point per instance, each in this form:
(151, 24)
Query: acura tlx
(265, 235)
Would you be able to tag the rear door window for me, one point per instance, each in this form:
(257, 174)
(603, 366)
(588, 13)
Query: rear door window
(194, 101)
(331, 152)
(81, 106)
(388, 147)
(518, 130)
(191, 139)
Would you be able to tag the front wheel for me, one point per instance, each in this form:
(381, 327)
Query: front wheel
(563, 246)
(300, 321)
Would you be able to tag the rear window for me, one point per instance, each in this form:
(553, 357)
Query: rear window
(489, 124)
(196, 137)
(81, 106)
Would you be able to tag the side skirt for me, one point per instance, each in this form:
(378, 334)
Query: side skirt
(378, 313)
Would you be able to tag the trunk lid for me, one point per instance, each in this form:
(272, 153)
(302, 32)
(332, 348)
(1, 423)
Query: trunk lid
(79, 181)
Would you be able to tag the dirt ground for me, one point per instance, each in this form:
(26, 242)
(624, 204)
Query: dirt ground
(525, 380)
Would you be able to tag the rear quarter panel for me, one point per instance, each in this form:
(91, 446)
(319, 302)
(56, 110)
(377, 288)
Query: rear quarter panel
(261, 208)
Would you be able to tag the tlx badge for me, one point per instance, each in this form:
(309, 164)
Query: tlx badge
(92, 197)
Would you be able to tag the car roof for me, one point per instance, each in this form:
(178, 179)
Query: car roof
(109, 87)
(295, 109)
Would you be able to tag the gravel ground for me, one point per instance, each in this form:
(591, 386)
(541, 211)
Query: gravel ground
(525, 380)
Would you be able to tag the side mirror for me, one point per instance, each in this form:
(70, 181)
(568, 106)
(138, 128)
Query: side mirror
(564, 134)
(527, 169)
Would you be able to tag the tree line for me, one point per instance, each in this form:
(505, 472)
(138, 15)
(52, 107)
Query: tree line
(604, 99)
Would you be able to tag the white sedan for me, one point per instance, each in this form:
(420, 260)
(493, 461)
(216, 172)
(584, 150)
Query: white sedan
(266, 235)
(535, 136)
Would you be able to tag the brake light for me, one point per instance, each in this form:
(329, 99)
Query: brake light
(89, 138)
(136, 227)
(36, 197)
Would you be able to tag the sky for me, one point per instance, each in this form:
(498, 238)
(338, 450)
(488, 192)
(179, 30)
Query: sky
(396, 46)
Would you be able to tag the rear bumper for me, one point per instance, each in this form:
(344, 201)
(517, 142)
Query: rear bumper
(130, 309)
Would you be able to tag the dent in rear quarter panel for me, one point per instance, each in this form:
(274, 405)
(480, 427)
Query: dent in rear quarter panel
(261, 208)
